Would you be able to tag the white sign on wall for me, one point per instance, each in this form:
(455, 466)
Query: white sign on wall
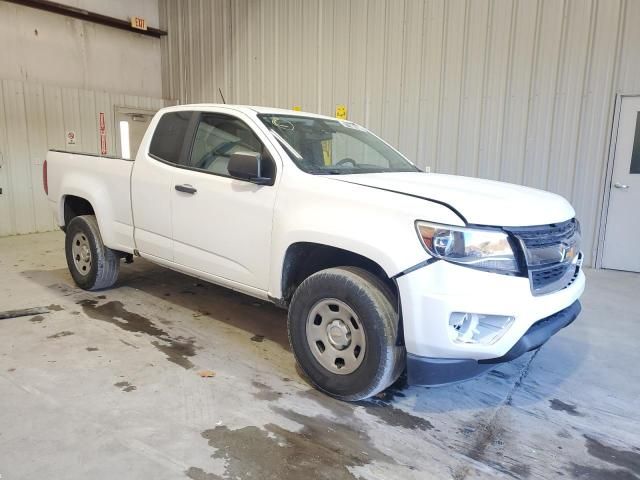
(71, 137)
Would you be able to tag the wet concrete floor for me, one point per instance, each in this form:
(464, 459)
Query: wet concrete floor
(107, 385)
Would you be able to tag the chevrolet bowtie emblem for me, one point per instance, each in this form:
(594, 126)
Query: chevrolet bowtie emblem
(568, 252)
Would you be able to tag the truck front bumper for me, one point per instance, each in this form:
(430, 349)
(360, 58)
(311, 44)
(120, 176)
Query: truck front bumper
(440, 371)
(431, 294)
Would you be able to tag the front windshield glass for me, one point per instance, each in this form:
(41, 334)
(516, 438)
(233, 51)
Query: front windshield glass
(333, 147)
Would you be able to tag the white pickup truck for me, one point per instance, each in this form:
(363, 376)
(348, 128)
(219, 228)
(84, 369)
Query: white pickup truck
(381, 266)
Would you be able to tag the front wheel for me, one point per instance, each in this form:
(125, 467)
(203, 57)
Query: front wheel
(92, 265)
(343, 327)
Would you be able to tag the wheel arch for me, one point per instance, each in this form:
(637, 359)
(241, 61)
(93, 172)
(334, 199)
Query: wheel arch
(303, 259)
(74, 206)
(112, 215)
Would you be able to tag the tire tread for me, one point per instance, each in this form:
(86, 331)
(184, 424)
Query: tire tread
(384, 301)
(107, 261)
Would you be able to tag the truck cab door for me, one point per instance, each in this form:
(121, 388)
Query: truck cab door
(222, 225)
(151, 183)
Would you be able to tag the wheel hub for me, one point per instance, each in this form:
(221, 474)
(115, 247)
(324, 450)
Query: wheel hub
(81, 251)
(335, 336)
(339, 334)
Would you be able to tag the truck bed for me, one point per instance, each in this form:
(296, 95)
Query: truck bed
(104, 182)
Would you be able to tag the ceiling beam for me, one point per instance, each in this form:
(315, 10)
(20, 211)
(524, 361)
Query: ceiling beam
(88, 16)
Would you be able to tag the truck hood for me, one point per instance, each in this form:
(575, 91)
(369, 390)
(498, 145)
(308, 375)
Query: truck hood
(481, 202)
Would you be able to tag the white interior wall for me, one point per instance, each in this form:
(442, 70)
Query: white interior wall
(515, 90)
(56, 75)
(51, 49)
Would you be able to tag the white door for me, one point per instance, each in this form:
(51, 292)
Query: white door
(222, 225)
(151, 187)
(622, 233)
(131, 125)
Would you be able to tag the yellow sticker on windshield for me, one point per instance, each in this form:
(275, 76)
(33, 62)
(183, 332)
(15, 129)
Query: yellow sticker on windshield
(326, 152)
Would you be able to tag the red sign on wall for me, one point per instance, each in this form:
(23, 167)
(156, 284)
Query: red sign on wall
(103, 134)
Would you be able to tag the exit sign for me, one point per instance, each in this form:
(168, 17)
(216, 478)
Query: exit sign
(139, 23)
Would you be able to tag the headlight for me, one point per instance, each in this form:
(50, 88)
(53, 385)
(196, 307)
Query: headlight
(482, 249)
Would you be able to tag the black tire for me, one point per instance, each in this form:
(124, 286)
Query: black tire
(373, 303)
(102, 272)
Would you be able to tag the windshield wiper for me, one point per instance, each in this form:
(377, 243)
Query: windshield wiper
(327, 171)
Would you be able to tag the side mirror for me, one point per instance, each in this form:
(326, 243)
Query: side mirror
(247, 166)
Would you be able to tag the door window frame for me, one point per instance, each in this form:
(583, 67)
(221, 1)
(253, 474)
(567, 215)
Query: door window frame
(190, 137)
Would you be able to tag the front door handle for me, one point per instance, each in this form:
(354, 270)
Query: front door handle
(186, 188)
(621, 186)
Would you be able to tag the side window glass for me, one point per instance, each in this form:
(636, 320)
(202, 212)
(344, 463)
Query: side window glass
(218, 137)
(168, 137)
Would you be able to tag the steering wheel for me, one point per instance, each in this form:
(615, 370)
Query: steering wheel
(346, 160)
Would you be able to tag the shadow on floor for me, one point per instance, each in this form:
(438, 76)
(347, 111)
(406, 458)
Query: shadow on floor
(262, 320)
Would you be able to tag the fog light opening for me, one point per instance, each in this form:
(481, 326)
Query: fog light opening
(466, 327)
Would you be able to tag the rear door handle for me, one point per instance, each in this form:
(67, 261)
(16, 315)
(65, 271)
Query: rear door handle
(621, 186)
(186, 188)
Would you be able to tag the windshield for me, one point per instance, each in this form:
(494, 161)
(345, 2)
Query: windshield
(334, 147)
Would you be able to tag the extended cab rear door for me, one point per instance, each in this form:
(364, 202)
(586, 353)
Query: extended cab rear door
(222, 225)
(152, 187)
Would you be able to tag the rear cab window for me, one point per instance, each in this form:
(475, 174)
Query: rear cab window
(169, 136)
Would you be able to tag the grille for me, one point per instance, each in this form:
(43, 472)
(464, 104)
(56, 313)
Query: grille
(540, 278)
(553, 276)
(534, 237)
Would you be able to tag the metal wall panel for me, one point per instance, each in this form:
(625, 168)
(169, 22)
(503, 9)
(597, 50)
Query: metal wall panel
(515, 90)
(51, 49)
(35, 118)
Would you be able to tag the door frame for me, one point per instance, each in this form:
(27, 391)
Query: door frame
(606, 191)
(123, 109)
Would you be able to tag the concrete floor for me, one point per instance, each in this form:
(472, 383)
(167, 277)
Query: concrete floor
(106, 386)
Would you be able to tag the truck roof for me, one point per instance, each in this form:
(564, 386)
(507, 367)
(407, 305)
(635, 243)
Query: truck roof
(249, 109)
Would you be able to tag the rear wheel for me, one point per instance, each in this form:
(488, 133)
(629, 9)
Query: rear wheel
(92, 265)
(343, 327)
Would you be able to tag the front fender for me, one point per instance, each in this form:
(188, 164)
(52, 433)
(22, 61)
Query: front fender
(378, 225)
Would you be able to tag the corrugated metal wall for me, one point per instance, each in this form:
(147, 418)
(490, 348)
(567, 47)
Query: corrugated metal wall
(35, 118)
(521, 91)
